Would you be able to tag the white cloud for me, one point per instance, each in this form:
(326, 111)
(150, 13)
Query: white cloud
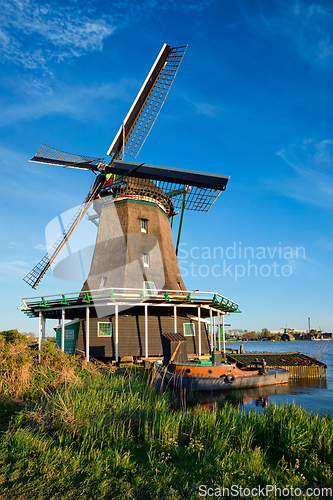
(308, 26)
(10, 244)
(40, 247)
(31, 174)
(312, 32)
(201, 108)
(31, 34)
(313, 164)
(15, 268)
(78, 102)
(325, 243)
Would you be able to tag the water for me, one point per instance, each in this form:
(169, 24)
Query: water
(312, 394)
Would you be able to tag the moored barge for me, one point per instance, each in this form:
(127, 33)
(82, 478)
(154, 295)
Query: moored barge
(206, 376)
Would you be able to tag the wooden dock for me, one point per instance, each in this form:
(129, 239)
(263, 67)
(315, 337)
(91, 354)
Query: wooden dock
(300, 365)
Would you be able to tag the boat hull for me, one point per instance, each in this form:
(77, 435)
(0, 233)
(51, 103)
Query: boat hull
(163, 379)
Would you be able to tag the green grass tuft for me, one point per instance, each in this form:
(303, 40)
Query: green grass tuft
(108, 434)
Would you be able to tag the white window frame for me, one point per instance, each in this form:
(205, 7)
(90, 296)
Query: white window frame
(149, 288)
(103, 282)
(144, 225)
(69, 334)
(192, 325)
(146, 260)
(99, 329)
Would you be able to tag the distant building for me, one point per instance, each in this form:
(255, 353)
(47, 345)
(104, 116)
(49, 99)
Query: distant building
(287, 336)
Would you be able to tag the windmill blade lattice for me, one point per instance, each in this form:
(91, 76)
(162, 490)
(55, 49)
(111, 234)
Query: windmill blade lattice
(52, 156)
(34, 277)
(148, 104)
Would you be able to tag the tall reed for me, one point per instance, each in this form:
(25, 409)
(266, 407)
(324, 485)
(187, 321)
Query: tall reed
(21, 376)
(114, 437)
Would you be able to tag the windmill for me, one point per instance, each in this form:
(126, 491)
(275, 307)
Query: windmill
(128, 141)
(135, 204)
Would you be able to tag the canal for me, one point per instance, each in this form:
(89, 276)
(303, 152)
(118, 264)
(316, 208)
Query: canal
(312, 394)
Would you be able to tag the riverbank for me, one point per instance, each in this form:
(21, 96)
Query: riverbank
(77, 431)
(108, 434)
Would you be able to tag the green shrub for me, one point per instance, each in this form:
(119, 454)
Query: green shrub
(22, 376)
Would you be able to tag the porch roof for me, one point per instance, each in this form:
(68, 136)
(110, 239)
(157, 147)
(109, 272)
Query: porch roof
(76, 302)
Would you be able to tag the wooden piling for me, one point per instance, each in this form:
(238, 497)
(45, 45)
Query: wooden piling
(300, 365)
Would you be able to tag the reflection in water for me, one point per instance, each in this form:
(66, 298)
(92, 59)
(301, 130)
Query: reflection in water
(263, 402)
(257, 396)
(315, 394)
(307, 384)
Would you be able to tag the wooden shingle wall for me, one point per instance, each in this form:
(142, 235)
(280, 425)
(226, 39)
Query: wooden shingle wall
(131, 335)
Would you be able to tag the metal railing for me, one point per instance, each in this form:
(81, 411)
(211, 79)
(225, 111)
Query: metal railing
(132, 296)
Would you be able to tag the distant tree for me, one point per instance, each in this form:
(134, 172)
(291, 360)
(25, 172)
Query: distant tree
(250, 335)
(314, 333)
(10, 336)
(265, 333)
(277, 336)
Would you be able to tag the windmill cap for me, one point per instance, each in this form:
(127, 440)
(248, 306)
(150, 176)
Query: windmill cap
(176, 175)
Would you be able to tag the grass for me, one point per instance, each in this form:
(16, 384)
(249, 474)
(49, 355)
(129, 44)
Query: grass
(107, 434)
(7, 410)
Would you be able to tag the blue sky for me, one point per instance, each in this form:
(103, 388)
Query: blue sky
(252, 99)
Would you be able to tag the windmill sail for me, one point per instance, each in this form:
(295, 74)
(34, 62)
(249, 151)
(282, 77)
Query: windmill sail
(35, 275)
(52, 156)
(148, 103)
(129, 140)
(138, 122)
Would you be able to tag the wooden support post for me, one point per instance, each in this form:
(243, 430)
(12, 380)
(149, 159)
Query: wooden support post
(181, 219)
(124, 138)
(199, 330)
(116, 339)
(175, 319)
(63, 330)
(87, 334)
(211, 331)
(43, 326)
(223, 336)
(40, 332)
(219, 330)
(146, 330)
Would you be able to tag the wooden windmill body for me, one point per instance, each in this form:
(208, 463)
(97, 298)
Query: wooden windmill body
(134, 286)
(134, 243)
